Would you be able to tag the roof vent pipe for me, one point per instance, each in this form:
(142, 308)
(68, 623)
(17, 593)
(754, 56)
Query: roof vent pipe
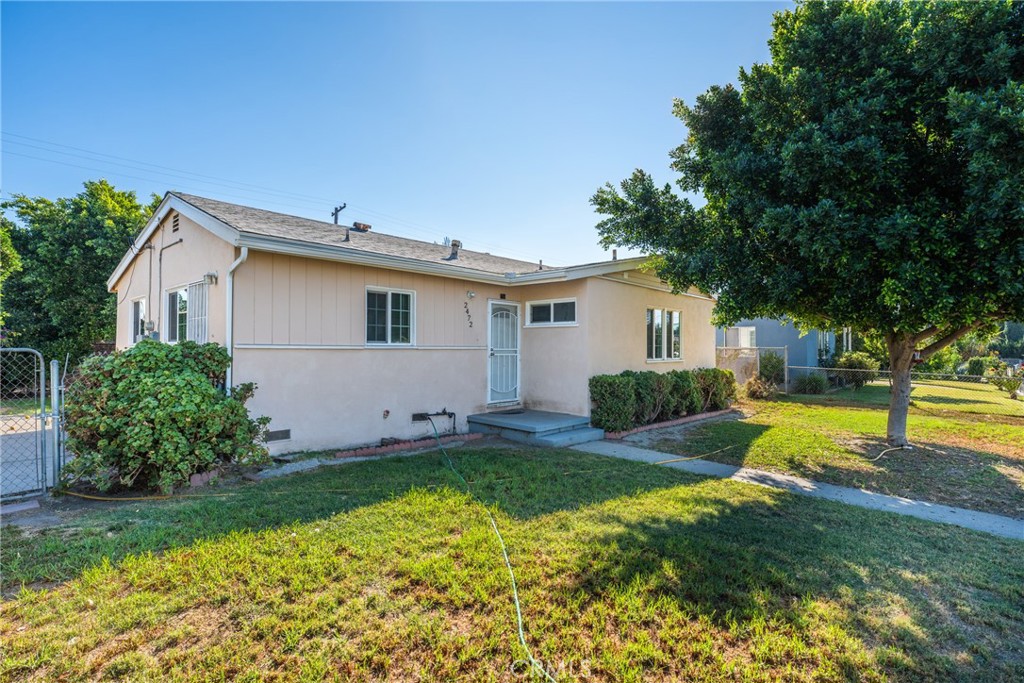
(615, 254)
(456, 245)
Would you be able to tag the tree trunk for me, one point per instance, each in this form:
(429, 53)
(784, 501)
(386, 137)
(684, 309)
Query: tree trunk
(901, 360)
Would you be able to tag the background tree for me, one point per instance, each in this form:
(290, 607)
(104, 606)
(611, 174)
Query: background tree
(58, 302)
(871, 175)
(10, 262)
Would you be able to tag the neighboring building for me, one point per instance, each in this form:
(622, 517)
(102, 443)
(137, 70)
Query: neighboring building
(803, 350)
(349, 332)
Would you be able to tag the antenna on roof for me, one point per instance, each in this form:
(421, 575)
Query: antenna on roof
(337, 210)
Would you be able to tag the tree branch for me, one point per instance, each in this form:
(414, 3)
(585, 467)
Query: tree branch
(941, 343)
(925, 334)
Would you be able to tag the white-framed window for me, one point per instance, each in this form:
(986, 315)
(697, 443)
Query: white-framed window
(551, 313)
(138, 319)
(664, 334)
(747, 336)
(824, 342)
(187, 313)
(390, 316)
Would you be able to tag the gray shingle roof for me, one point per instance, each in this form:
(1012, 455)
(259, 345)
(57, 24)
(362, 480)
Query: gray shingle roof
(271, 224)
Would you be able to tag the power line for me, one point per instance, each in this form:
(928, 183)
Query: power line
(294, 200)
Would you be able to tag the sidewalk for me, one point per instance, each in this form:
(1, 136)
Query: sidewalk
(996, 525)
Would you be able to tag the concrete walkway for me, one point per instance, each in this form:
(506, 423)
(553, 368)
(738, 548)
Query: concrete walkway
(996, 525)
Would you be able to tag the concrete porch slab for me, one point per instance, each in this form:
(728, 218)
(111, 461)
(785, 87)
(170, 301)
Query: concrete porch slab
(530, 421)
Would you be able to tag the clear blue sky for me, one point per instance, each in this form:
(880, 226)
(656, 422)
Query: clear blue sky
(489, 123)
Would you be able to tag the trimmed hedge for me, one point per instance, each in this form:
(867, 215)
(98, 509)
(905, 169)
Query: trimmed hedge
(717, 388)
(633, 399)
(614, 398)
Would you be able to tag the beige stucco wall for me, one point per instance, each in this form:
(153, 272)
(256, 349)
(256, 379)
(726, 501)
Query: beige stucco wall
(331, 398)
(617, 326)
(149, 276)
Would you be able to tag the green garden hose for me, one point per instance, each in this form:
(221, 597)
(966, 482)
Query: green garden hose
(534, 663)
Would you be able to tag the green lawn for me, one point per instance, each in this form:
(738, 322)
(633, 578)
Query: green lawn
(386, 571)
(966, 461)
(935, 396)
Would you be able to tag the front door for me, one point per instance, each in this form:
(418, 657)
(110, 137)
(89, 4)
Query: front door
(503, 363)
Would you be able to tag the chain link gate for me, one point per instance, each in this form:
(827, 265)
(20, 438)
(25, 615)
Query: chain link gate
(24, 466)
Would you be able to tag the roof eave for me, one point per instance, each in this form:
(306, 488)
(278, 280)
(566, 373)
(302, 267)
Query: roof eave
(171, 202)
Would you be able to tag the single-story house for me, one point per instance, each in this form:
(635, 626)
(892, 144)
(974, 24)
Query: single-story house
(802, 350)
(348, 332)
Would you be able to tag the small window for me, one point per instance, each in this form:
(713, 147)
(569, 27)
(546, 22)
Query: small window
(389, 317)
(187, 314)
(177, 315)
(138, 320)
(551, 313)
(664, 334)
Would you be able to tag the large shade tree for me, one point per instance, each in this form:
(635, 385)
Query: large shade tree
(57, 301)
(871, 175)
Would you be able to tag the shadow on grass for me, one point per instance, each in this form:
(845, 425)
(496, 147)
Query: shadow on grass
(522, 482)
(793, 574)
(957, 476)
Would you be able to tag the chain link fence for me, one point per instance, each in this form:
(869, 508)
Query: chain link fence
(768, 362)
(23, 422)
(940, 393)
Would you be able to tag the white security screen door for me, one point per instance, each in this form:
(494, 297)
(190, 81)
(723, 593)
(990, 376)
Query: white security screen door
(503, 364)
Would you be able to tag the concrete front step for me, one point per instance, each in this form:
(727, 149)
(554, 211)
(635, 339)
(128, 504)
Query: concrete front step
(570, 438)
(536, 428)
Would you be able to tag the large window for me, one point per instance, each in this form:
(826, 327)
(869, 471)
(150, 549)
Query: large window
(551, 313)
(389, 317)
(138, 320)
(664, 335)
(186, 313)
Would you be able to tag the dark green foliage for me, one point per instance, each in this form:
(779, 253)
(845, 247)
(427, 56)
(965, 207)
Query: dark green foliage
(653, 396)
(686, 393)
(10, 262)
(58, 301)
(614, 402)
(633, 399)
(773, 368)
(979, 365)
(760, 389)
(717, 388)
(813, 383)
(856, 369)
(155, 414)
(1009, 342)
(869, 175)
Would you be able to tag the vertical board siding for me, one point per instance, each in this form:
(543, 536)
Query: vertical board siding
(314, 302)
(297, 301)
(280, 296)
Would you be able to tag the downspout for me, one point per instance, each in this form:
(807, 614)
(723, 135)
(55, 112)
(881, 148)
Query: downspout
(229, 340)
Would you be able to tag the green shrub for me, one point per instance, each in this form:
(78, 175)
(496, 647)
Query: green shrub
(717, 388)
(653, 395)
(614, 402)
(757, 388)
(155, 414)
(814, 383)
(687, 400)
(773, 368)
(856, 368)
(979, 365)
